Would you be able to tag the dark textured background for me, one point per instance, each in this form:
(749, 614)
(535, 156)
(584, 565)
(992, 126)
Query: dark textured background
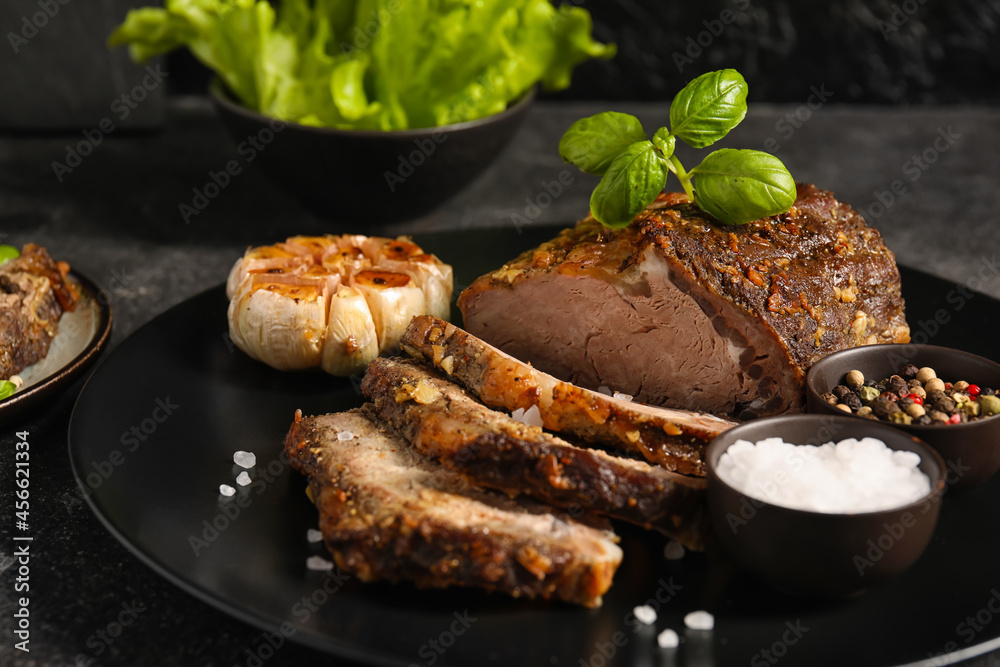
(874, 51)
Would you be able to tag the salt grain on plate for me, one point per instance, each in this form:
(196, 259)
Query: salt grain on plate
(673, 551)
(344, 436)
(645, 614)
(850, 476)
(622, 397)
(226, 490)
(699, 620)
(668, 639)
(318, 564)
(243, 478)
(314, 535)
(245, 459)
(531, 416)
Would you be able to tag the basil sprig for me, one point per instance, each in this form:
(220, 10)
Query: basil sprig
(734, 186)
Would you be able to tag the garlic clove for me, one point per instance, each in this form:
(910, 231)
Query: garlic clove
(350, 341)
(393, 299)
(281, 324)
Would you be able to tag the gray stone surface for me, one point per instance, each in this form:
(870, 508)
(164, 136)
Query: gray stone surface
(115, 218)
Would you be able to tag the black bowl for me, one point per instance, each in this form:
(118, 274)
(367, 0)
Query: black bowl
(971, 450)
(813, 554)
(365, 177)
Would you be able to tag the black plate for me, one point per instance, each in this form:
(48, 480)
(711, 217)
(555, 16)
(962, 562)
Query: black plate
(153, 434)
(83, 334)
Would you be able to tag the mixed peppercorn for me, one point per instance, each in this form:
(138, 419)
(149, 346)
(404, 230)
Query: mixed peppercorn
(914, 396)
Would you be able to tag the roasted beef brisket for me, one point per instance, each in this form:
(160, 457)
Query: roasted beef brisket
(34, 293)
(441, 421)
(677, 309)
(674, 439)
(388, 513)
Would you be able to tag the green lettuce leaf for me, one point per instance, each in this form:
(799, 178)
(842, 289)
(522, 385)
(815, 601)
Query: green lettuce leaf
(372, 64)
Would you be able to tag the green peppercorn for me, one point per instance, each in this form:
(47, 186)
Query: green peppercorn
(868, 394)
(971, 408)
(900, 417)
(865, 411)
(989, 405)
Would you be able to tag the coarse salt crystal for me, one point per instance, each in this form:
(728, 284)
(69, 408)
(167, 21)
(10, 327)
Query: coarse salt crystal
(699, 620)
(226, 490)
(645, 614)
(314, 535)
(243, 478)
(344, 436)
(850, 476)
(531, 416)
(622, 397)
(318, 564)
(668, 639)
(245, 459)
(673, 551)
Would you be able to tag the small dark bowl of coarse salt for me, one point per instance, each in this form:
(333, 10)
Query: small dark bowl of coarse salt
(948, 398)
(822, 506)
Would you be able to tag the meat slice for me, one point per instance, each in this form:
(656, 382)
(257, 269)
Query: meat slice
(34, 293)
(443, 422)
(388, 513)
(674, 439)
(677, 309)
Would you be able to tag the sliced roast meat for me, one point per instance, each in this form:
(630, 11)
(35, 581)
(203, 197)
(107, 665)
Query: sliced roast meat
(674, 439)
(388, 513)
(677, 309)
(443, 422)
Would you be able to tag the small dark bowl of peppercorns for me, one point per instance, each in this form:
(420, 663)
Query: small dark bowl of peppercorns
(946, 397)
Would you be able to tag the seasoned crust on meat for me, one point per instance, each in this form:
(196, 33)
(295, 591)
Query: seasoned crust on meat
(388, 513)
(678, 310)
(674, 439)
(441, 421)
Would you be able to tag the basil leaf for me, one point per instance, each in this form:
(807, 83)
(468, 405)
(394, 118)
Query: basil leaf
(737, 186)
(631, 182)
(592, 143)
(665, 141)
(708, 107)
